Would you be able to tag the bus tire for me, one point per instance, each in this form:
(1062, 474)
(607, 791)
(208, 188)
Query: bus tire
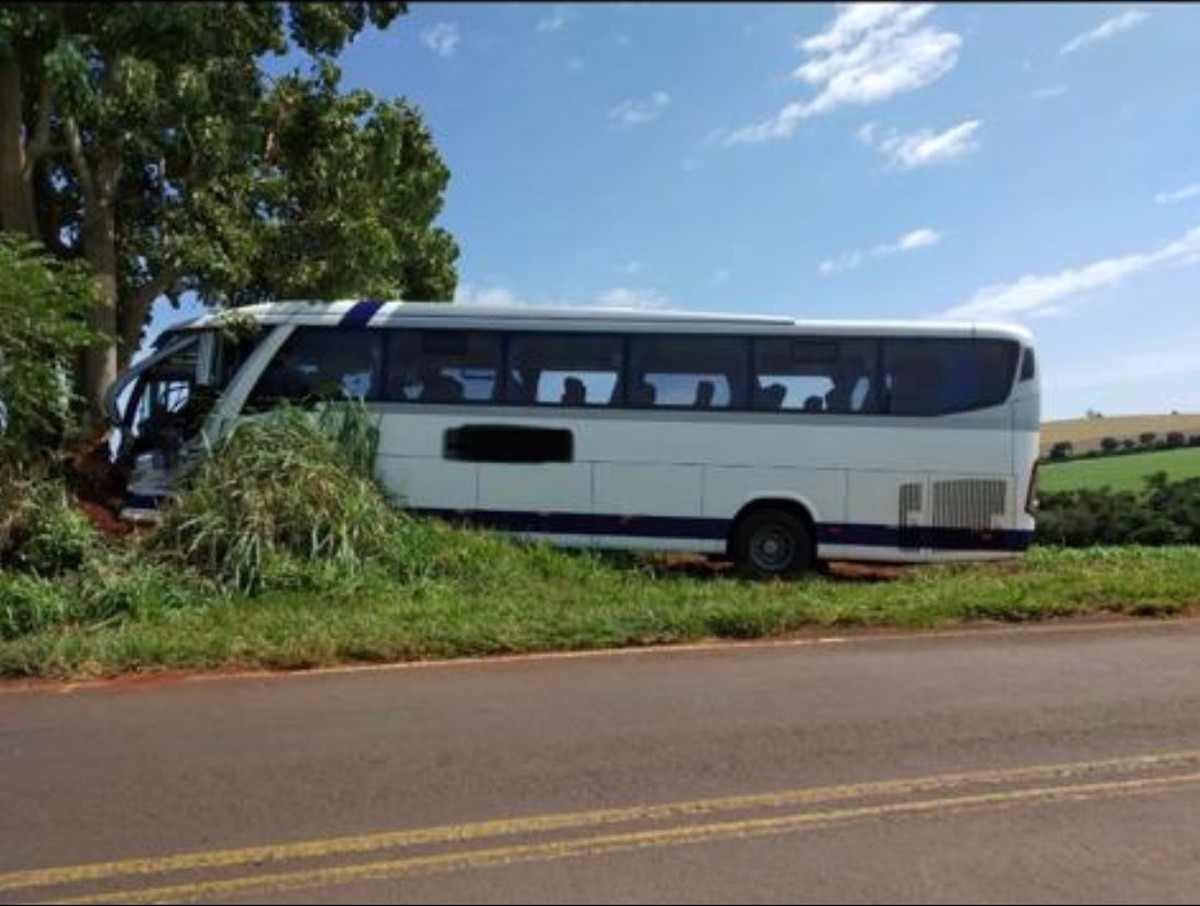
(772, 544)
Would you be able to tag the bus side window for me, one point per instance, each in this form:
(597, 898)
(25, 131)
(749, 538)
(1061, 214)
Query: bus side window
(940, 376)
(814, 374)
(1028, 367)
(320, 363)
(687, 371)
(577, 370)
(443, 366)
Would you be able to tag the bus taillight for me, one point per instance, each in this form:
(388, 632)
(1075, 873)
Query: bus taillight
(1031, 498)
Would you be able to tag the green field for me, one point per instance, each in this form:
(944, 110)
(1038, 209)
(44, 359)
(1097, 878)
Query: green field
(1123, 472)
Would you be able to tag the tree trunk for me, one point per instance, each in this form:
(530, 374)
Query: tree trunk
(16, 190)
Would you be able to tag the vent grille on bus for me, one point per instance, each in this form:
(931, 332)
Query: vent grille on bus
(910, 515)
(968, 502)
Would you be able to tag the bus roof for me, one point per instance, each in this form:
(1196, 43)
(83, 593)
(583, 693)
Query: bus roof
(374, 313)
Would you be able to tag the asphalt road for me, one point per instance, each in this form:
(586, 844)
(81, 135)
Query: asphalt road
(1041, 764)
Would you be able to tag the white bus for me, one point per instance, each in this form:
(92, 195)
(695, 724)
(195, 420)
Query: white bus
(776, 442)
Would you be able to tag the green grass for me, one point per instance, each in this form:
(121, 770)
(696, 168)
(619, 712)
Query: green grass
(503, 598)
(283, 554)
(1121, 472)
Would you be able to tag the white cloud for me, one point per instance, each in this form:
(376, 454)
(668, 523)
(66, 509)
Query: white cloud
(574, 65)
(910, 241)
(843, 262)
(1035, 295)
(1050, 91)
(1178, 195)
(1105, 30)
(868, 54)
(441, 38)
(556, 21)
(636, 111)
(1135, 367)
(917, 239)
(923, 147)
(468, 294)
(631, 268)
(617, 297)
(624, 297)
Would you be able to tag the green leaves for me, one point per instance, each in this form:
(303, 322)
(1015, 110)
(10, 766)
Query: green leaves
(155, 141)
(69, 75)
(43, 324)
(347, 191)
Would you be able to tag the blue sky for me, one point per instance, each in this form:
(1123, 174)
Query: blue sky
(1038, 164)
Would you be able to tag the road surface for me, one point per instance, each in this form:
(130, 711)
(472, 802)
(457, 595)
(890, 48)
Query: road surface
(1039, 764)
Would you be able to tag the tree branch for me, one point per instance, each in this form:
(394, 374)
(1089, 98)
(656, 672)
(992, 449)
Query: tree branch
(142, 297)
(79, 159)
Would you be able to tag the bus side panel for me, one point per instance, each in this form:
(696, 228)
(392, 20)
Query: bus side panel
(884, 509)
(822, 492)
(650, 489)
(411, 465)
(548, 490)
(424, 483)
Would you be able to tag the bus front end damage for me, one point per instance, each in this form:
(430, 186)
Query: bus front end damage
(161, 411)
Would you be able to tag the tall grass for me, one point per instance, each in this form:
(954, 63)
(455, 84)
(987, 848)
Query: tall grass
(290, 488)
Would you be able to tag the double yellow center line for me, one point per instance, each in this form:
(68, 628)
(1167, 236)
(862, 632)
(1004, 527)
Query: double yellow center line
(231, 872)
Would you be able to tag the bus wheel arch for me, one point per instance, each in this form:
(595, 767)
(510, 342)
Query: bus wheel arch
(773, 537)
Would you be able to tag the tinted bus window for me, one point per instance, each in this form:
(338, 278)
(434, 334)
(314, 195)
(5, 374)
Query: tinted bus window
(321, 363)
(564, 369)
(692, 372)
(1028, 368)
(936, 377)
(443, 366)
(816, 374)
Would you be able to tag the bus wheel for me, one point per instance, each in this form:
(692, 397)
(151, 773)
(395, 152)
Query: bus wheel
(772, 544)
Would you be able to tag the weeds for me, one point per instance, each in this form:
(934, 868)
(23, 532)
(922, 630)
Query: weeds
(40, 531)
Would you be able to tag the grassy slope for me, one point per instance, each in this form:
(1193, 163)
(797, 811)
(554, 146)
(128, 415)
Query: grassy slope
(1124, 472)
(1085, 433)
(529, 600)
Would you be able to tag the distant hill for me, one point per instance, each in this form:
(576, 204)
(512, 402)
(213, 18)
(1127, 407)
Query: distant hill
(1086, 433)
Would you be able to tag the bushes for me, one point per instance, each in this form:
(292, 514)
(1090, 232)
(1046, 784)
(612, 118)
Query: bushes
(40, 531)
(44, 306)
(1166, 513)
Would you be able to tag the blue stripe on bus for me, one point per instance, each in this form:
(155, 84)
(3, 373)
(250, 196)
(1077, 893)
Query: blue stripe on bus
(937, 538)
(361, 314)
(861, 534)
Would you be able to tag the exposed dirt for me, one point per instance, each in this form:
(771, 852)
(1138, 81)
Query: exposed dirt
(703, 567)
(98, 486)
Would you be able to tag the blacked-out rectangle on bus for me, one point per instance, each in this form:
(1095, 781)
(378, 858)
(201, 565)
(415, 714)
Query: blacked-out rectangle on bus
(508, 443)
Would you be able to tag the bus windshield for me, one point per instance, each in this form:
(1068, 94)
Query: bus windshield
(162, 402)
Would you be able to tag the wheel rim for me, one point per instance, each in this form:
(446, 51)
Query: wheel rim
(772, 548)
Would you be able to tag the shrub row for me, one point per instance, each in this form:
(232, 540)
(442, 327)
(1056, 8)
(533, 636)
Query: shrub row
(1112, 446)
(1167, 512)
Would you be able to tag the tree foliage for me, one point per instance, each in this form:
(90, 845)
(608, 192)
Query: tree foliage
(44, 305)
(146, 138)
